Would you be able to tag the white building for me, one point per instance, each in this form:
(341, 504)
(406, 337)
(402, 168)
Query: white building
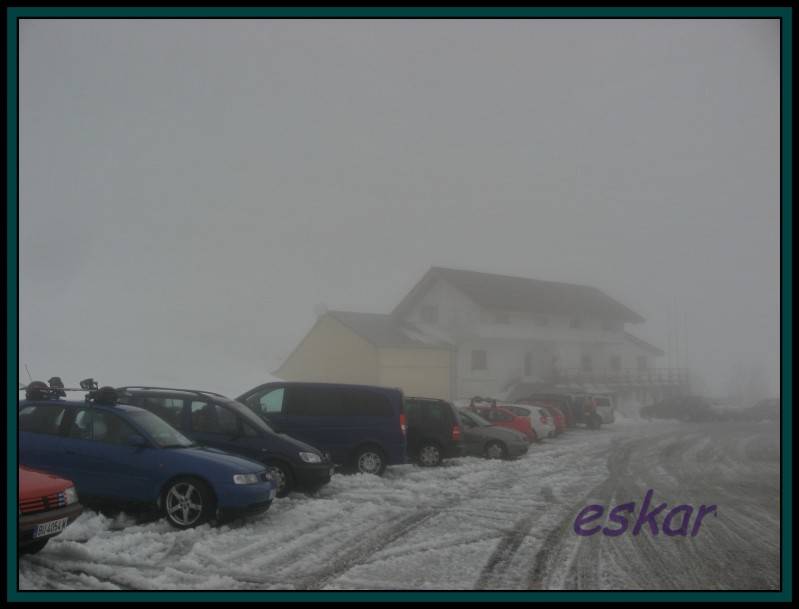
(508, 330)
(487, 335)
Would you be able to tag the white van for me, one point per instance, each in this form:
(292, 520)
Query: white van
(605, 407)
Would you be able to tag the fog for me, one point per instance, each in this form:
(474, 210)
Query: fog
(191, 190)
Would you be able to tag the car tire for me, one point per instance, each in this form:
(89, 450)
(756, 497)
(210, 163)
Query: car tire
(495, 450)
(188, 502)
(283, 478)
(33, 548)
(370, 460)
(429, 455)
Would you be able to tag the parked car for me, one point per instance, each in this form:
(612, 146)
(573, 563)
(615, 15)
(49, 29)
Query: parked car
(47, 504)
(605, 408)
(211, 419)
(557, 415)
(128, 457)
(482, 439)
(578, 408)
(360, 426)
(541, 420)
(434, 431)
(502, 417)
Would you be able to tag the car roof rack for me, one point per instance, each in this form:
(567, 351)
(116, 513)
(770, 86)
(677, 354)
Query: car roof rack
(194, 391)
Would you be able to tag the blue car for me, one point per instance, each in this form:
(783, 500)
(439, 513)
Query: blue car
(361, 426)
(129, 457)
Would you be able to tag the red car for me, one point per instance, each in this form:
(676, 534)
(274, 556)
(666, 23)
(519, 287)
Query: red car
(557, 415)
(47, 504)
(502, 417)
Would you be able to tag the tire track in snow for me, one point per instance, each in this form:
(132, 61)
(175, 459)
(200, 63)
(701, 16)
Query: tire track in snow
(556, 540)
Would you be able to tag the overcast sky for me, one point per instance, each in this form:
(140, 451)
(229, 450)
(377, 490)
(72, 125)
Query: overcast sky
(189, 190)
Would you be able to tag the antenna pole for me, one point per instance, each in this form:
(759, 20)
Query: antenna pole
(30, 378)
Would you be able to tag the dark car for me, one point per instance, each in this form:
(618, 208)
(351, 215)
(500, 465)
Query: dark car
(47, 504)
(360, 426)
(213, 420)
(482, 439)
(434, 432)
(126, 456)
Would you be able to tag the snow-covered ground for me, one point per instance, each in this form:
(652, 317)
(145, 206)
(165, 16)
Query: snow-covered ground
(471, 524)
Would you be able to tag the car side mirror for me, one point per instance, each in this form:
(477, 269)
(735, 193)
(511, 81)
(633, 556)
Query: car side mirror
(137, 441)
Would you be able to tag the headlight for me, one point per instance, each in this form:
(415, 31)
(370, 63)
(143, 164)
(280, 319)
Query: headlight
(310, 457)
(70, 495)
(245, 478)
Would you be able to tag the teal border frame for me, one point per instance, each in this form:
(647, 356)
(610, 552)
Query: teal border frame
(784, 14)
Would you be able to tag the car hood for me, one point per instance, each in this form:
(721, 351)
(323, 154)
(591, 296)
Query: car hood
(300, 445)
(219, 458)
(35, 483)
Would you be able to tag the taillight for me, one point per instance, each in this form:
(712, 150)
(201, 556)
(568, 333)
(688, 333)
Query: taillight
(403, 426)
(456, 432)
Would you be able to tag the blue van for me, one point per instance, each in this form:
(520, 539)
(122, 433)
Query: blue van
(362, 426)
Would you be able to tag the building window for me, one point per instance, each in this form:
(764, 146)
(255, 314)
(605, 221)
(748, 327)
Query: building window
(429, 314)
(479, 360)
(586, 363)
(575, 322)
(642, 362)
(615, 363)
(528, 364)
(501, 317)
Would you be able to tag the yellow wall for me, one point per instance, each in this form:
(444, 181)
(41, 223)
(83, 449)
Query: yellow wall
(418, 372)
(331, 352)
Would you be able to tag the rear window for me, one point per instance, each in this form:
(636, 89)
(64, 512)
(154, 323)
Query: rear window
(428, 410)
(337, 402)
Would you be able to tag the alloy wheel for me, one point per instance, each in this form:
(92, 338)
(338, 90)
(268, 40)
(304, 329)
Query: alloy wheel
(184, 504)
(369, 462)
(429, 455)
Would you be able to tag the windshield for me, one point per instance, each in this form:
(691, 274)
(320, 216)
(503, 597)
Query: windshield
(476, 419)
(164, 435)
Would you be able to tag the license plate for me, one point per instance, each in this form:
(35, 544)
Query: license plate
(332, 471)
(50, 528)
(272, 493)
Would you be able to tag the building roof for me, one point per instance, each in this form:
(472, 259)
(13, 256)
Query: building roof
(509, 293)
(385, 331)
(643, 344)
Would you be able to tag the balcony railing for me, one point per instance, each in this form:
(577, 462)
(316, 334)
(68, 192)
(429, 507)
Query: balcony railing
(629, 377)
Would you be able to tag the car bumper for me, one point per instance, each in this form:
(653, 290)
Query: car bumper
(243, 499)
(312, 477)
(29, 522)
